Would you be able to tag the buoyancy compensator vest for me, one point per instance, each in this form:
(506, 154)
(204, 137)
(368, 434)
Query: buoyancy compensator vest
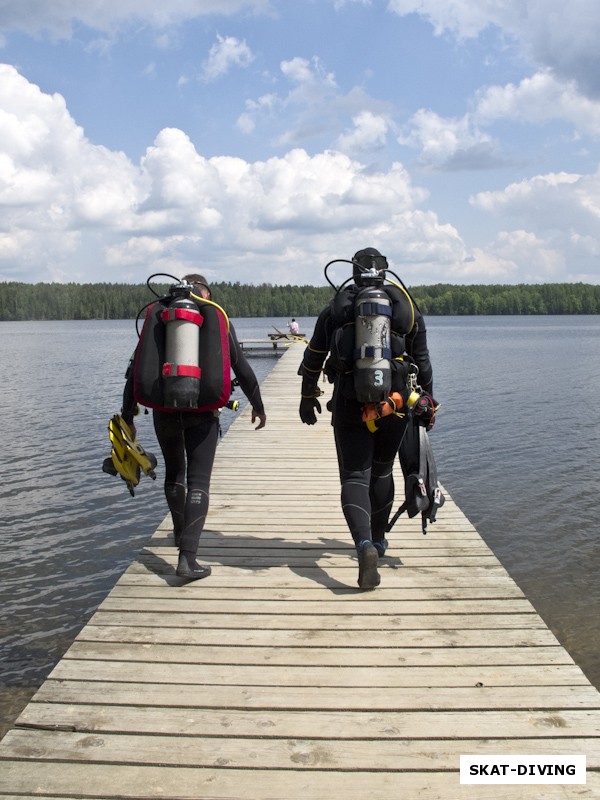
(182, 361)
(368, 342)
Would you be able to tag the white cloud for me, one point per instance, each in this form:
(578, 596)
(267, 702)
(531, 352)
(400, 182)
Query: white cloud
(71, 208)
(54, 185)
(246, 122)
(563, 37)
(301, 71)
(226, 53)
(369, 132)
(559, 219)
(464, 143)
(314, 108)
(37, 16)
(539, 99)
(449, 143)
(545, 201)
(463, 18)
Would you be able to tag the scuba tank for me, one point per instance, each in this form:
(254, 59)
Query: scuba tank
(181, 369)
(182, 360)
(372, 340)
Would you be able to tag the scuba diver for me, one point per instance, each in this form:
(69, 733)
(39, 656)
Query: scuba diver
(181, 369)
(371, 343)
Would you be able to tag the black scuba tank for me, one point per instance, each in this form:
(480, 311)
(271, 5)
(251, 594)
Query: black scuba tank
(181, 368)
(372, 345)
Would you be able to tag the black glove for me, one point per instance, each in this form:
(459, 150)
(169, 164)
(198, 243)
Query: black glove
(307, 410)
(425, 409)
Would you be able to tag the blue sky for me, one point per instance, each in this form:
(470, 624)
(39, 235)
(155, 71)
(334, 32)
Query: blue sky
(255, 140)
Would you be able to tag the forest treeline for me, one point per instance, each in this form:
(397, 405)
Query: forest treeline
(66, 301)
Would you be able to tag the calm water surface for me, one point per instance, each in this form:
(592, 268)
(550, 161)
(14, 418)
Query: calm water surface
(516, 441)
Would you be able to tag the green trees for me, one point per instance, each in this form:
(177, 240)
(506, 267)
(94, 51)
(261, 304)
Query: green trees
(62, 301)
(543, 298)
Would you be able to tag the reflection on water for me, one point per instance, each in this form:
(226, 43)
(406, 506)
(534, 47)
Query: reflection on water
(516, 443)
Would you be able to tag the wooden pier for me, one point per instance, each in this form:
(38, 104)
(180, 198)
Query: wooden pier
(274, 344)
(267, 346)
(275, 678)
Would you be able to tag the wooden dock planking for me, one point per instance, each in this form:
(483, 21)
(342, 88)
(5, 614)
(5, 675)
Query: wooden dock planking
(276, 678)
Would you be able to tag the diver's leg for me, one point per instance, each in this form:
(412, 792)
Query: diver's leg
(201, 437)
(355, 451)
(170, 438)
(387, 441)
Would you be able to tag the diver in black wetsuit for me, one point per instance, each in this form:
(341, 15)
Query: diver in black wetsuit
(365, 458)
(191, 437)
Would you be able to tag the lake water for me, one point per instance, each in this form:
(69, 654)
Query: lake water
(517, 443)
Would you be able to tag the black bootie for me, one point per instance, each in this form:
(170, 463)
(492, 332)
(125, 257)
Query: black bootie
(188, 567)
(368, 576)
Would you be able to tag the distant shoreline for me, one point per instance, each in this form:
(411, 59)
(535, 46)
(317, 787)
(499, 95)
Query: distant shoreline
(114, 301)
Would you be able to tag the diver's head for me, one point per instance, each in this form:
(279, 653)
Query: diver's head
(365, 261)
(199, 283)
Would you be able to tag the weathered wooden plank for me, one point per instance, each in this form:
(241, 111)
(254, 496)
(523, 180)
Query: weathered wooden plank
(342, 575)
(388, 621)
(429, 755)
(354, 640)
(317, 656)
(316, 725)
(309, 676)
(341, 606)
(209, 590)
(369, 698)
(186, 783)
(162, 573)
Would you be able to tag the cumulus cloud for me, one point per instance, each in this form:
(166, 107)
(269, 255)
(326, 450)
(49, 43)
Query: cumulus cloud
(72, 208)
(539, 99)
(558, 215)
(369, 132)
(314, 108)
(55, 187)
(465, 142)
(227, 52)
(449, 143)
(57, 18)
(561, 37)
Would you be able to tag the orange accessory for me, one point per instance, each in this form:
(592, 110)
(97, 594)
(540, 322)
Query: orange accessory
(374, 411)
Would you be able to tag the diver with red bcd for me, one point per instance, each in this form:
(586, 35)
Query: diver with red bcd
(181, 369)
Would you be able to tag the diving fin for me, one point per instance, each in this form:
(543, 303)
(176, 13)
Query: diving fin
(422, 492)
(128, 458)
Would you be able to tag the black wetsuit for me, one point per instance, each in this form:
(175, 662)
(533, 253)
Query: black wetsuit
(365, 459)
(190, 438)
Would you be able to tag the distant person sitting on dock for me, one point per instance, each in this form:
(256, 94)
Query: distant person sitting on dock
(294, 327)
(191, 436)
(372, 332)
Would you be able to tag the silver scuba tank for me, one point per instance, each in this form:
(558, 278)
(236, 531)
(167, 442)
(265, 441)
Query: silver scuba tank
(372, 340)
(181, 369)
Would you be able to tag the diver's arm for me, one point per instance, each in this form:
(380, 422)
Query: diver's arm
(246, 378)
(417, 348)
(129, 406)
(315, 355)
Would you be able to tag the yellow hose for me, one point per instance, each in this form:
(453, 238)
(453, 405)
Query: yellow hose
(211, 303)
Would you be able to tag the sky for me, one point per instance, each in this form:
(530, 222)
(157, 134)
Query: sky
(255, 140)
